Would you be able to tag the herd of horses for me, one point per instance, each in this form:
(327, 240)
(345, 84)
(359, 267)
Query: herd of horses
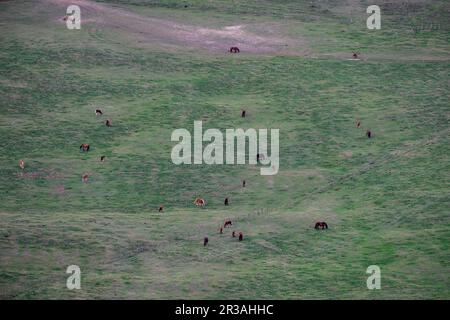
(227, 223)
(200, 201)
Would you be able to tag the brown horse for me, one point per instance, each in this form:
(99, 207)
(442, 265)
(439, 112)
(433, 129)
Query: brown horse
(200, 202)
(226, 202)
(321, 225)
(161, 208)
(227, 223)
(241, 236)
(98, 112)
(234, 50)
(21, 164)
(369, 134)
(84, 177)
(84, 147)
(108, 123)
(205, 241)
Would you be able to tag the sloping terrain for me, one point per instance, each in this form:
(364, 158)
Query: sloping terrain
(156, 66)
(168, 33)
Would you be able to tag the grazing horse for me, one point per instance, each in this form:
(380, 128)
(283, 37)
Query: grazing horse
(260, 156)
(21, 164)
(234, 50)
(200, 202)
(358, 124)
(205, 241)
(221, 230)
(227, 223)
(369, 134)
(226, 202)
(321, 225)
(108, 123)
(84, 177)
(241, 236)
(84, 147)
(243, 183)
(98, 112)
(102, 158)
(243, 114)
(233, 234)
(355, 55)
(161, 208)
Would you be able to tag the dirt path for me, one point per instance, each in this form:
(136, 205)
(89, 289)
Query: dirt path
(166, 32)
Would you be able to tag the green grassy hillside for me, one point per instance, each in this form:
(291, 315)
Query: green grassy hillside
(386, 199)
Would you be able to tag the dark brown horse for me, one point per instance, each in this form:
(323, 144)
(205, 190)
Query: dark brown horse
(205, 241)
(259, 157)
(227, 223)
(321, 225)
(234, 50)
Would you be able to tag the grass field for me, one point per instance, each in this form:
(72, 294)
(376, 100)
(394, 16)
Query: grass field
(156, 66)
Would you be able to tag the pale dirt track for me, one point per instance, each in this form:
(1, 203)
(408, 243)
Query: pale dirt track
(263, 39)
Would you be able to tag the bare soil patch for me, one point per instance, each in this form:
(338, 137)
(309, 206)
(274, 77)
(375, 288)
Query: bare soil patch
(259, 40)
